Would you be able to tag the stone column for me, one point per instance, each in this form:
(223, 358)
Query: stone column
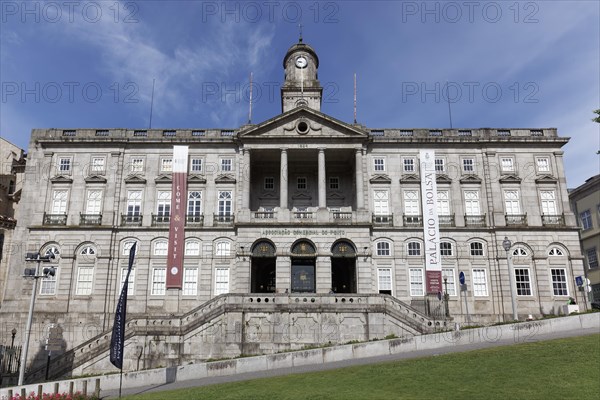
(283, 181)
(322, 191)
(246, 180)
(360, 196)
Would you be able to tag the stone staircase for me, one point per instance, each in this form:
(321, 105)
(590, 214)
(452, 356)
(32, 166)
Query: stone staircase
(380, 314)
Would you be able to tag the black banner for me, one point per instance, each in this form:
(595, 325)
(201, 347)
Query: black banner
(117, 340)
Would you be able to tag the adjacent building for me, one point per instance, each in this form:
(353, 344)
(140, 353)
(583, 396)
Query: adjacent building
(302, 209)
(585, 203)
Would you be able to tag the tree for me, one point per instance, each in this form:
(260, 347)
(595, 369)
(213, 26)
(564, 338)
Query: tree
(597, 119)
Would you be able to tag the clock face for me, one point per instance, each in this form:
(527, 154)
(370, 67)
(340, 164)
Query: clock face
(301, 62)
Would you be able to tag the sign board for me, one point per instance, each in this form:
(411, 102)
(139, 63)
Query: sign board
(463, 287)
(579, 280)
(461, 277)
(431, 229)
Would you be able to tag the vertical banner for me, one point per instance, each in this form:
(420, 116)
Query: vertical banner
(431, 226)
(117, 339)
(177, 222)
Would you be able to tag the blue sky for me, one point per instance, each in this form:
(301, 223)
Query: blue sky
(510, 64)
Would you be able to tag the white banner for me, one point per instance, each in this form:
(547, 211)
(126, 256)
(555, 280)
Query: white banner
(431, 226)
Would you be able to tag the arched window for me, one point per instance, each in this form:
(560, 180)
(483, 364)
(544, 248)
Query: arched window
(161, 248)
(343, 249)
(414, 248)
(476, 248)
(304, 248)
(192, 248)
(127, 246)
(87, 251)
(383, 248)
(263, 249)
(519, 252)
(52, 250)
(555, 252)
(446, 249)
(223, 249)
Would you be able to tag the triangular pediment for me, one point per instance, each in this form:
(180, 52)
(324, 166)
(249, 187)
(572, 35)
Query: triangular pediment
(301, 196)
(95, 179)
(225, 178)
(61, 179)
(509, 179)
(441, 178)
(164, 179)
(470, 179)
(546, 179)
(195, 178)
(380, 178)
(135, 179)
(300, 123)
(410, 178)
(268, 196)
(335, 196)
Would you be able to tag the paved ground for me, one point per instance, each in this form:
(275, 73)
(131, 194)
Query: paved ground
(341, 364)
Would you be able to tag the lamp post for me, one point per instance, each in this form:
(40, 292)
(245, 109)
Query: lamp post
(507, 244)
(446, 296)
(13, 334)
(33, 273)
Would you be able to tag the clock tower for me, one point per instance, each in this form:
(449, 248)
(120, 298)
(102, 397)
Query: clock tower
(301, 86)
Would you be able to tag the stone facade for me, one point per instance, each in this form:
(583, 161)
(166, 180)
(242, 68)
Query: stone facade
(302, 203)
(585, 203)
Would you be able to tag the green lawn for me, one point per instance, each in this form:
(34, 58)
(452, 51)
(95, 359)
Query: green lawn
(557, 369)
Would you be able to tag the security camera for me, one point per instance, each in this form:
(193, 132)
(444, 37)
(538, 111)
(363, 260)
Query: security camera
(49, 271)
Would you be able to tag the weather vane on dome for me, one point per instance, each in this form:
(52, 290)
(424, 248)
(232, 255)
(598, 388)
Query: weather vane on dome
(300, 28)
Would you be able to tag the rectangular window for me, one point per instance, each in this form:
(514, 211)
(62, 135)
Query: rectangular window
(543, 164)
(548, 198)
(522, 282)
(59, 201)
(163, 203)
(479, 282)
(130, 283)
(98, 166)
(226, 164)
(48, 284)
(468, 165)
(443, 202)
(559, 282)
(408, 165)
(137, 164)
(85, 276)
(196, 165)
(194, 203)
(225, 203)
(93, 203)
(301, 183)
(166, 165)
(334, 183)
(507, 164)
(384, 280)
(411, 202)
(159, 276)
(134, 203)
(586, 219)
(592, 257)
(449, 284)
(383, 248)
(190, 281)
(64, 165)
(380, 202)
(446, 249)
(221, 281)
(416, 282)
(379, 164)
(414, 248)
(511, 202)
(472, 202)
(269, 183)
(440, 165)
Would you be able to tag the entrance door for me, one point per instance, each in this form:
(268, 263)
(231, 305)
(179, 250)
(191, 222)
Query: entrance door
(343, 275)
(343, 267)
(303, 275)
(263, 275)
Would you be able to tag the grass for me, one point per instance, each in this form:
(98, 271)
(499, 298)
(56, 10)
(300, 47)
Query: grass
(557, 369)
